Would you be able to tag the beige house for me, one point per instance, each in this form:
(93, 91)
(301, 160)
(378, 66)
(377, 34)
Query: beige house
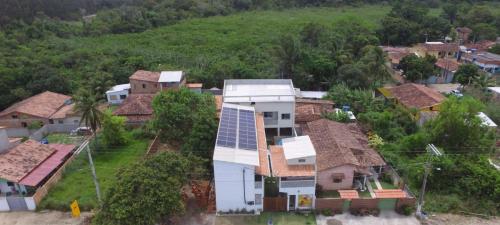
(343, 157)
(436, 49)
(148, 82)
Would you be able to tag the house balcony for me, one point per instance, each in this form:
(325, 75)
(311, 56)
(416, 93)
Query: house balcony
(297, 183)
(270, 121)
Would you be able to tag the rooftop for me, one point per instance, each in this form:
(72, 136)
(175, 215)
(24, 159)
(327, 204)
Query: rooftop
(298, 147)
(237, 136)
(483, 57)
(263, 168)
(440, 46)
(310, 94)
(340, 144)
(281, 167)
(145, 76)
(448, 64)
(259, 90)
(194, 85)
(119, 87)
(307, 110)
(41, 105)
(495, 89)
(170, 76)
(137, 107)
(415, 95)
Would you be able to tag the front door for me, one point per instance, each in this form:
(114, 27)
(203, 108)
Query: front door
(291, 202)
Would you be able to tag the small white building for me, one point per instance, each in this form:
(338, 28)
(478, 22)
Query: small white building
(118, 93)
(486, 120)
(275, 98)
(171, 79)
(294, 164)
(310, 94)
(240, 160)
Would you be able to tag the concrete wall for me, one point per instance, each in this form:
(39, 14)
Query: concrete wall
(18, 132)
(330, 203)
(230, 189)
(4, 206)
(308, 161)
(280, 107)
(30, 202)
(326, 181)
(136, 87)
(116, 95)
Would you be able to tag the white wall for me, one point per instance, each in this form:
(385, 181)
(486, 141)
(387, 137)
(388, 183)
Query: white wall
(280, 107)
(298, 191)
(30, 202)
(229, 186)
(117, 94)
(311, 160)
(4, 206)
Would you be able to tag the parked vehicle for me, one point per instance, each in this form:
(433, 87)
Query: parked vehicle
(81, 131)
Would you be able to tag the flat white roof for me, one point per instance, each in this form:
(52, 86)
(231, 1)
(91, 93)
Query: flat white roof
(119, 87)
(235, 155)
(311, 94)
(298, 147)
(495, 89)
(486, 120)
(259, 90)
(170, 76)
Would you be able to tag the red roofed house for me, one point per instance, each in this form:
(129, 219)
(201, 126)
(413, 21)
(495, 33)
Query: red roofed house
(414, 96)
(24, 168)
(148, 82)
(136, 108)
(447, 68)
(436, 49)
(44, 108)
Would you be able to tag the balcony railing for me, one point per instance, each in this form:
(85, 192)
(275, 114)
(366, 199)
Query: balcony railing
(297, 183)
(258, 184)
(270, 121)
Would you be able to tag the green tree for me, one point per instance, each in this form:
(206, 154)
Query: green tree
(495, 49)
(484, 31)
(87, 104)
(339, 116)
(113, 129)
(360, 100)
(467, 73)
(148, 191)
(288, 53)
(418, 68)
(450, 11)
(372, 63)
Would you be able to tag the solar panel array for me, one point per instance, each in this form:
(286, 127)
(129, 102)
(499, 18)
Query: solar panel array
(247, 138)
(241, 120)
(227, 128)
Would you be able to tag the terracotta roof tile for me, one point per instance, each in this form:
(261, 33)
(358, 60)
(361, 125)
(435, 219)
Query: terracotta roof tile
(482, 45)
(263, 168)
(145, 76)
(443, 47)
(390, 193)
(282, 169)
(448, 64)
(64, 112)
(307, 110)
(194, 85)
(340, 144)
(42, 105)
(218, 103)
(20, 160)
(416, 96)
(136, 107)
(348, 194)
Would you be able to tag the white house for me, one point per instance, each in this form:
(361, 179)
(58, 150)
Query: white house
(118, 93)
(294, 164)
(240, 160)
(275, 98)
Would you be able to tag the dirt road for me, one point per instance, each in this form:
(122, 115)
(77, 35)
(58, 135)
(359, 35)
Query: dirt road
(452, 219)
(40, 218)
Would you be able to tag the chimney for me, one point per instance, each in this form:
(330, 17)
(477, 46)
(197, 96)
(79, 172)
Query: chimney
(4, 140)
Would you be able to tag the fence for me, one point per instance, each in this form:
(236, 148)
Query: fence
(52, 128)
(275, 204)
(337, 204)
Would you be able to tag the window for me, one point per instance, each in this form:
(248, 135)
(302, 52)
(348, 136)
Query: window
(143, 85)
(113, 97)
(302, 160)
(10, 184)
(337, 177)
(285, 116)
(258, 199)
(24, 124)
(14, 116)
(337, 180)
(268, 115)
(123, 96)
(51, 121)
(60, 121)
(258, 177)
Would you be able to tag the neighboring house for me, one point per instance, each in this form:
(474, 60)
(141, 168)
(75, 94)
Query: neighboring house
(479, 46)
(171, 80)
(307, 110)
(414, 96)
(195, 87)
(240, 159)
(294, 165)
(144, 82)
(495, 91)
(436, 49)
(275, 98)
(487, 61)
(136, 108)
(447, 68)
(463, 34)
(44, 108)
(395, 54)
(24, 168)
(343, 158)
(118, 93)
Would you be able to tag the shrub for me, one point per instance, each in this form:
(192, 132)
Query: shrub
(406, 210)
(327, 212)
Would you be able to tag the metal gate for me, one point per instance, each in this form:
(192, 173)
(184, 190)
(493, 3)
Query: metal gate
(17, 204)
(275, 204)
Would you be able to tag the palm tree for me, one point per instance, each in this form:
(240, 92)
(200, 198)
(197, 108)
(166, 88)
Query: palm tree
(87, 104)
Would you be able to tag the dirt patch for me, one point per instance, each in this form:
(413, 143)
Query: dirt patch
(41, 218)
(453, 219)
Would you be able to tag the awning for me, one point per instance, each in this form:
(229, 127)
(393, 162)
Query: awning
(46, 167)
(348, 194)
(390, 193)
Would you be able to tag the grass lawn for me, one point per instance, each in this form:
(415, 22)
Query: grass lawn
(329, 194)
(64, 138)
(77, 183)
(386, 185)
(277, 218)
(364, 194)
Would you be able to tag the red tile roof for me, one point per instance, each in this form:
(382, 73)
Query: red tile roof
(64, 112)
(194, 85)
(340, 144)
(20, 160)
(50, 164)
(263, 168)
(42, 105)
(448, 64)
(145, 76)
(282, 169)
(443, 47)
(482, 45)
(348, 194)
(136, 107)
(390, 193)
(307, 110)
(415, 95)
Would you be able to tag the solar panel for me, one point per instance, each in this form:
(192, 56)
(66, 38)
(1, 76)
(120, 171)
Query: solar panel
(247, 137)
(226, 136)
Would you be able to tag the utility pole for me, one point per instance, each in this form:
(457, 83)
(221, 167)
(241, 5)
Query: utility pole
(94, 176)
(428, 166)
